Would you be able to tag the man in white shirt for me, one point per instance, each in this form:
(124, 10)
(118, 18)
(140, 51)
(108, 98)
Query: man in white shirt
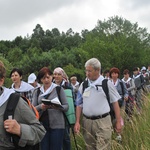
(97, 126)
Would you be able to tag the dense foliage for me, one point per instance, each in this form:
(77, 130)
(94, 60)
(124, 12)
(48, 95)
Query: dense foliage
(115, 42)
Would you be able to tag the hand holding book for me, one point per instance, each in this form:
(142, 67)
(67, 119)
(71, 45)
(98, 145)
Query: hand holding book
(54, 102)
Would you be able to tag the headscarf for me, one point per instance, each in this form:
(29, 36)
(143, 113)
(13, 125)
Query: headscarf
(62, 72)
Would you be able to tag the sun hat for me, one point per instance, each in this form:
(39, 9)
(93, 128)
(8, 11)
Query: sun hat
(143, 68)
(31, 78)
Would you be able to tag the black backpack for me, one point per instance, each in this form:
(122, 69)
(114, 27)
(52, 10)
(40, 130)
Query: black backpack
(9, 111)
(105, 89)
(120, 102)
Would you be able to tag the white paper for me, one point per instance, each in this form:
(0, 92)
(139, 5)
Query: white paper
(56, 101)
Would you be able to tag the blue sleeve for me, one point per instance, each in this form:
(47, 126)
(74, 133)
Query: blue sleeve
(79, 99)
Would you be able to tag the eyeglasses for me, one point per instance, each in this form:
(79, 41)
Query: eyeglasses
(57, 74)
(89, 71)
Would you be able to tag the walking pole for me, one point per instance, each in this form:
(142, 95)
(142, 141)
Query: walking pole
(75, 141)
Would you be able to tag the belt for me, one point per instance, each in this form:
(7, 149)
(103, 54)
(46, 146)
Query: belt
(96, 117)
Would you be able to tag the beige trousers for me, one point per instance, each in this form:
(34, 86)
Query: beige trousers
(97, 133)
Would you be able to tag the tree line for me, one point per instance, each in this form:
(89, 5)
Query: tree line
(116, 42)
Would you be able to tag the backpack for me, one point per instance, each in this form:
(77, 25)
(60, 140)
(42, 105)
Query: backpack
(67, 86)
(106, 90)
(142, 83)
(120, 102)
(70, 114)
(9, 111)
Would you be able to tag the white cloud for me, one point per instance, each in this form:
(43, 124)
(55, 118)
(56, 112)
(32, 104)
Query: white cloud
(20, 17)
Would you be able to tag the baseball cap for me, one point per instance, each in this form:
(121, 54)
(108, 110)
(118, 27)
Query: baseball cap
(143, 68)
(31, 78)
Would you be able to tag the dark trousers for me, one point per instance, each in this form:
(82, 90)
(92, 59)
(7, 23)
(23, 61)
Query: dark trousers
(66, 140)
(53, 139)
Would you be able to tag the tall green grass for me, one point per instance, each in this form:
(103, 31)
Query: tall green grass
(135, 134)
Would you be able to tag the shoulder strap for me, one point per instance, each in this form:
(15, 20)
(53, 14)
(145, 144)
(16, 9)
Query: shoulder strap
(11, 105)
(9, 111)
(142, 79)
(105, 88)
(84, 85)
(58, 88)
(38, 92)
(122, 88)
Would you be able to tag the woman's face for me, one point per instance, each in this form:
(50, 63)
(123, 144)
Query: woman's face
(73, 81)
(114, 76)
(15, 77)
(135, 72)
(58, 78)
(126, 76)
(47, 80)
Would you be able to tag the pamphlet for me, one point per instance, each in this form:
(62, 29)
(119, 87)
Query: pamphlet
(55, 101)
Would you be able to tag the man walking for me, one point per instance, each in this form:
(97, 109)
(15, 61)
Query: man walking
(92, 102)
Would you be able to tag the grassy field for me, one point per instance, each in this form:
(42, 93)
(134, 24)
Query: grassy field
(135, 135)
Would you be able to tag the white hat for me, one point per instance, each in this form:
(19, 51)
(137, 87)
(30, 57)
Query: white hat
(31, 78)
(143, 68)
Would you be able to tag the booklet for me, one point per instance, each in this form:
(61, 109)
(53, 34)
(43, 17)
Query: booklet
(55, 101)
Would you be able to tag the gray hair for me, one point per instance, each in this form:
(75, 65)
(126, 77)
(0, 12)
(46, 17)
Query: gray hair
(94, 62)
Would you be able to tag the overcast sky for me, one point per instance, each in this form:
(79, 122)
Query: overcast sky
(19, 17)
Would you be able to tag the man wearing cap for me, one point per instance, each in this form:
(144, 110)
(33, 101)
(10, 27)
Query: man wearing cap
(32, 80)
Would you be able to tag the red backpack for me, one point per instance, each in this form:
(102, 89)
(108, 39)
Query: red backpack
(32, 107)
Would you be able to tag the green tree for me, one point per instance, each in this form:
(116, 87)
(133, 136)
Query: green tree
(118, 42)
(55, 32)
(38, 32)
(3, 49)
(8, 67)
(15, 56)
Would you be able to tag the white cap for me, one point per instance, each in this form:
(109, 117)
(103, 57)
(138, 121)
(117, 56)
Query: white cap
(143, 68)
(31, 78)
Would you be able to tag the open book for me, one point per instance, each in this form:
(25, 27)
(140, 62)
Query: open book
(55, 101)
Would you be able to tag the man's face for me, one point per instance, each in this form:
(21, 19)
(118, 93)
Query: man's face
(91, 73)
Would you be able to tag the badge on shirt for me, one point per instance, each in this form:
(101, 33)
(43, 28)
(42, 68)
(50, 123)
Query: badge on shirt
(86, 93)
